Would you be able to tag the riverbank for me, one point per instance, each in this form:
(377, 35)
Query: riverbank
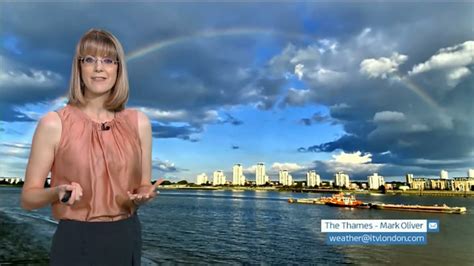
(435, 193)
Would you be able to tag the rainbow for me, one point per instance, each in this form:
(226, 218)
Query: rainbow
(236, 32)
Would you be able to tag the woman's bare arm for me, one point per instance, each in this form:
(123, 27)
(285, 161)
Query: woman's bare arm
(45, 140)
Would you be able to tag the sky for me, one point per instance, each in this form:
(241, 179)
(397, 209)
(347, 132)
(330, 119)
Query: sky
(360, 87)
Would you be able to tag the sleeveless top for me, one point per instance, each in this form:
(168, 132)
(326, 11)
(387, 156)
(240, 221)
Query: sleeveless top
(104, 158)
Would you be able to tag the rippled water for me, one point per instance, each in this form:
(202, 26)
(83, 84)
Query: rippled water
(203, 227)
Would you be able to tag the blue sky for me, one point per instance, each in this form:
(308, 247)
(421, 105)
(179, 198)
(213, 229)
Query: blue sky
(361, 87)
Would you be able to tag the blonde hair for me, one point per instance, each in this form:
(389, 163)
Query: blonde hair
(99, 42)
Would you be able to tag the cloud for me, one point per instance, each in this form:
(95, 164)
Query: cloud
(165, 166)
(297, 97)
(184, 132)
(352, 158)
(388, 116)
(317, 118)
(291, 167)
(382, 67)
(452, 57)
(17, 150)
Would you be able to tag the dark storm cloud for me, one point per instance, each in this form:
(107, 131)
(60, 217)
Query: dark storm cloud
(317, 118)
(201, 74)
(185, 132)
(402, 115)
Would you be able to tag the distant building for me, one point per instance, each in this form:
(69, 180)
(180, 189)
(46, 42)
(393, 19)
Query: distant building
(341, 179)
(443, 174)
(409, 179)
(313, 179)
(470, 173)
(463, 184)
(201, 179)
(238, 178)
(441, 184)
(218, 178)
(375, 181)
(285, 178)
(420, 184)
(260, 176)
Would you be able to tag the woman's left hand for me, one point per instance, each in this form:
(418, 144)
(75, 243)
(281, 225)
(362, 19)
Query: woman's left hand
(145, 193)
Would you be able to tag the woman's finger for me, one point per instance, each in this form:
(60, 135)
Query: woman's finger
(72, 199)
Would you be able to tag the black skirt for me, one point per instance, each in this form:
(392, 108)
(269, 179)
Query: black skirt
(97, 243)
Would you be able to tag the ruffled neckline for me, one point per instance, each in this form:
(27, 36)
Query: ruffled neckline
(97, 124)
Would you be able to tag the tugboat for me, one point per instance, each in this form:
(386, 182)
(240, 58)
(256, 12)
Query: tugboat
(343, 200)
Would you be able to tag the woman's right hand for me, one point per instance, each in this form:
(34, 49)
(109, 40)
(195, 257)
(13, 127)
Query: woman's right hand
(76, 192)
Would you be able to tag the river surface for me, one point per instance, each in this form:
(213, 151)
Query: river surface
(251, 227)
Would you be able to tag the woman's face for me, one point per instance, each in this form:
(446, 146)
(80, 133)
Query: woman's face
(98, 74)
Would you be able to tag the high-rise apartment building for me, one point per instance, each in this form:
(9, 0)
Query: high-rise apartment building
(313, 179)
(238, 178)
(341, 179)
(201, 179)
(218, 178)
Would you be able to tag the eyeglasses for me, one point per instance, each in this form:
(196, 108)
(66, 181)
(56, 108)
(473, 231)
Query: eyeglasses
(91, 60)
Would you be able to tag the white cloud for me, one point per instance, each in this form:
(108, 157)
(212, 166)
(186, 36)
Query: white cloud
(452, 57)
(291, 167)
(352, 158)
(308, 54)
(166, 116)
(456, 75)
(327, 77)
(328, 45)
(299, 71)
(12, 77)
(388, 116)
(382, 67)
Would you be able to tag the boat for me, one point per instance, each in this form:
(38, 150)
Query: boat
(420, 208)
(320, 201)
(343, 200)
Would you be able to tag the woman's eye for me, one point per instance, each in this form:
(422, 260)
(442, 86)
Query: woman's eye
(108, 61)
(89, 60)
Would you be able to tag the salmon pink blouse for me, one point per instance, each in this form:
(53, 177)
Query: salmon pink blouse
(104, 158)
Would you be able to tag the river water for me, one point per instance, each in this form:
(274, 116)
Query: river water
(251, 227)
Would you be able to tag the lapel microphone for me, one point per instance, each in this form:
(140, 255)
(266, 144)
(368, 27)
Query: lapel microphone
(104, 126)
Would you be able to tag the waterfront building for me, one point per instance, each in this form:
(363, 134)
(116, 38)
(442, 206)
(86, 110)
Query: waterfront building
(285, 178)
(375, 181)
(341, 179)
(470, 173)
(441, 184)
(443, 174)
(420, 184)
(218, 178)
(238, 178)
(201, 179)
(260, 176)
(313, 179)
(463, 184)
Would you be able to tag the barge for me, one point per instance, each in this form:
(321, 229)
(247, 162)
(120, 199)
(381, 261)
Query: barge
(342, 200)
(420, 208)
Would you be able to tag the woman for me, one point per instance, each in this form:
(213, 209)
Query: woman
(99, 155)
